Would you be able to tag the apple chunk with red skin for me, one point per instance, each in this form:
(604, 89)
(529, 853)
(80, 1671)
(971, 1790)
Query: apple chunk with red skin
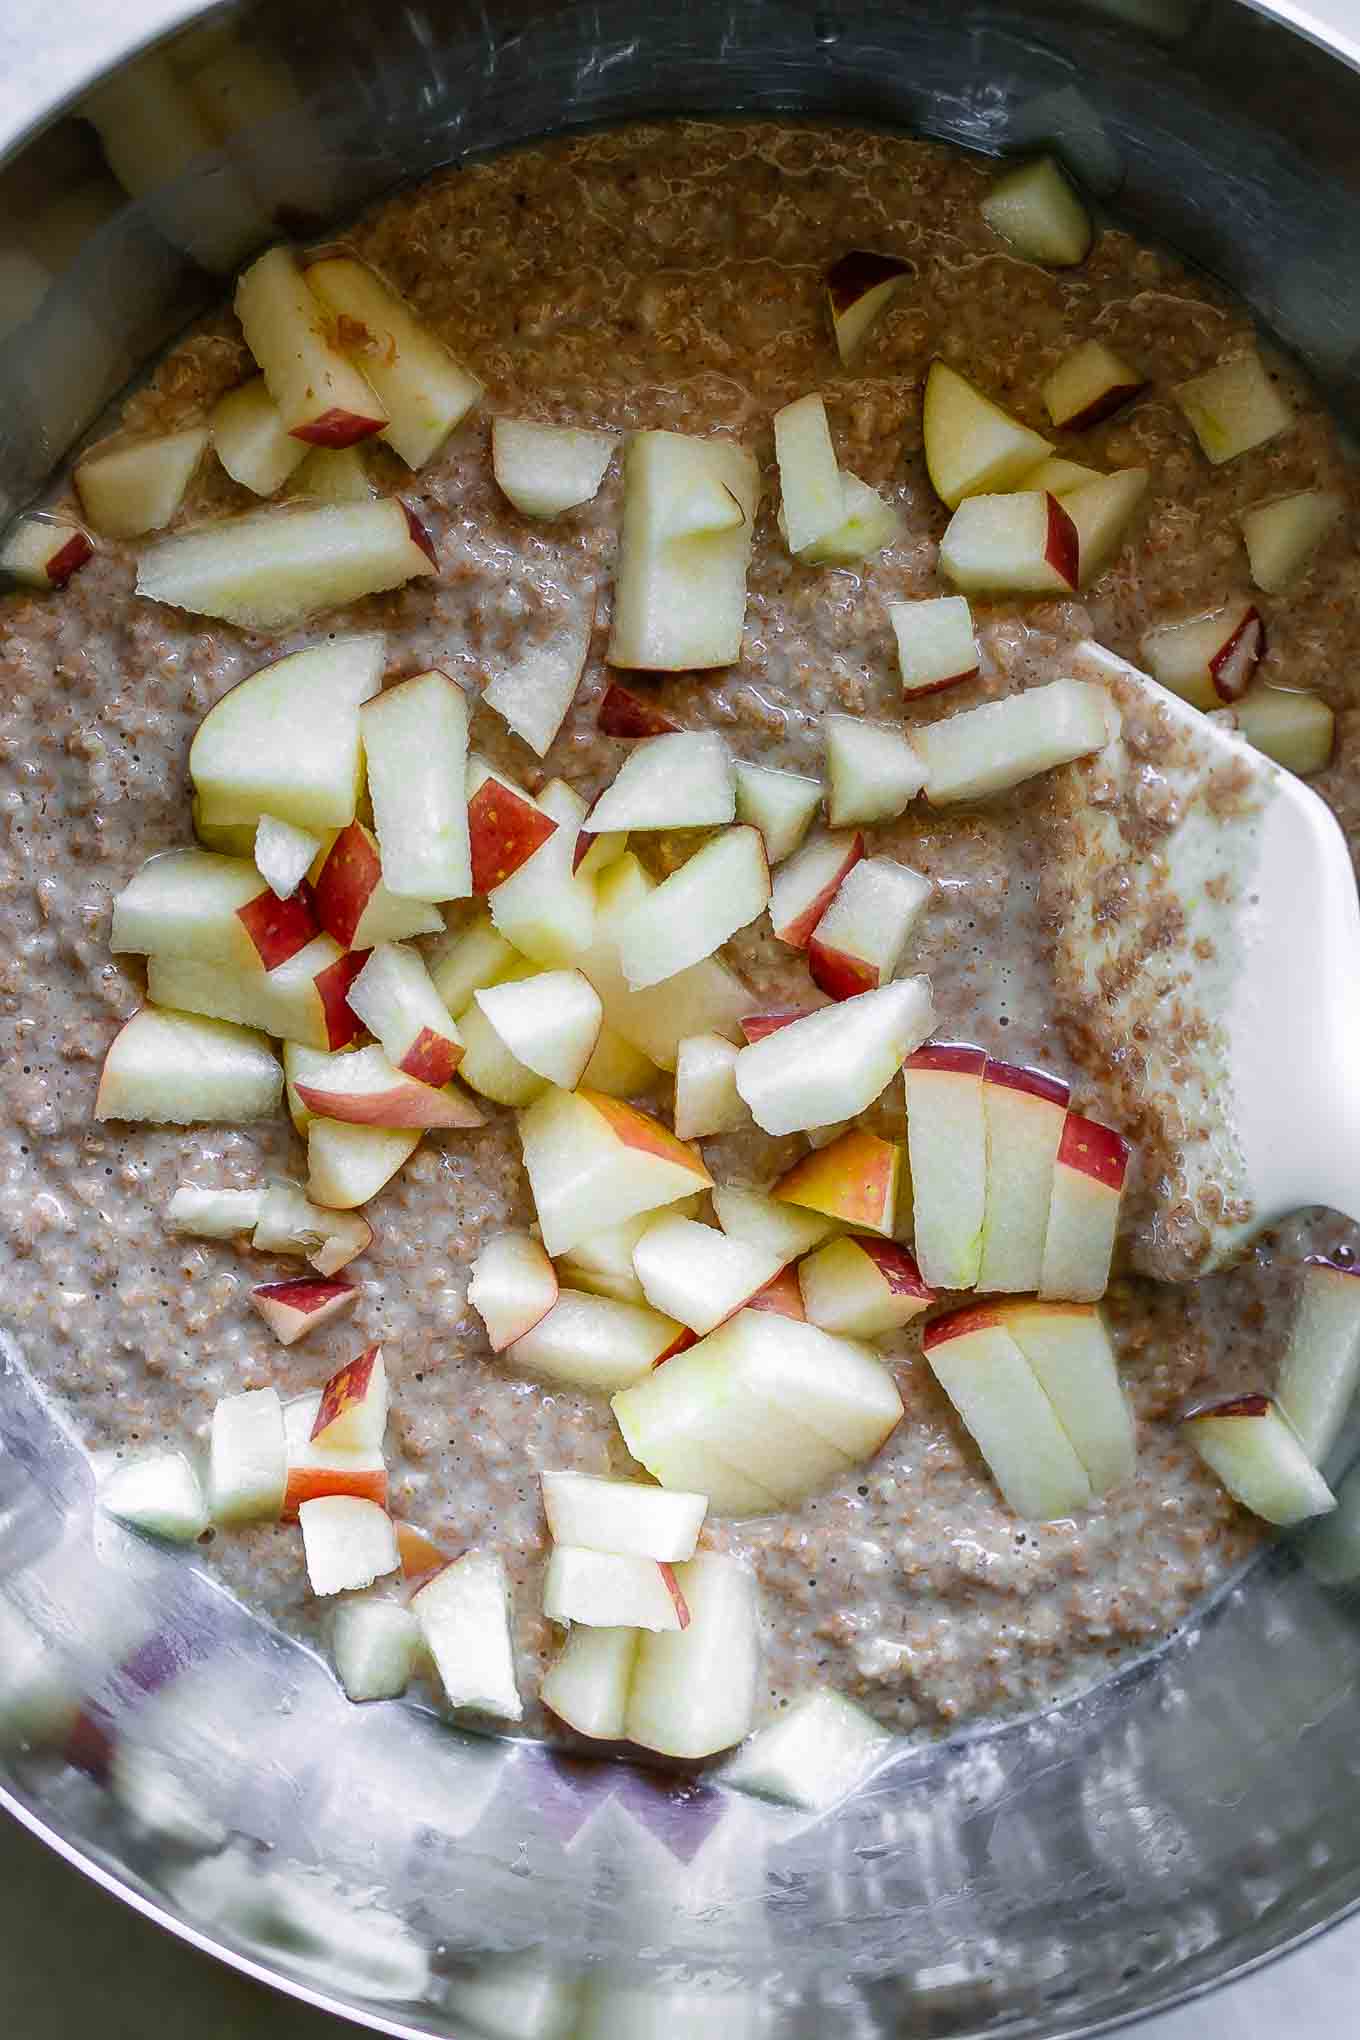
(317, 1467)
(195, 904)
(756, 1026)
(783, 1296)
(514, 1285)
(1069, 1349)
(947, 1148)
(624, 714)
(936, 647)
(294, 1308)
(354, 905)
(1258, 1456)
(322, 398)
(1083, 1214)
(1022, 544)
(696, 1274)
(304, 1000)
(395, 999)
(854, 1179)
(805, 886)
(505, 827)
(1088, 385)
(1208, 660)
(996, 1392)
(859, 286)
(972, 447)
(422, 389)
(858, 942)
(611, 1590)
(862, 1288)
(352, 1413)
(832, 1064)
(44, 552)
(364, 1089)
(1025, 1112)
(593, 1161)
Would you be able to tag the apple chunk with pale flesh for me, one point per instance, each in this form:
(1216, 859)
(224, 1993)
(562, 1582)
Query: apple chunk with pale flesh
(294, 1308)
(421, 388)
(811, 1757)
(550, 1022)
(355, 906)
(546, 907)
(1025, 1112)
(286, 741)
(333, 474)
(780, 804)
(1060, 477)
(707, 1100)
(546, 469)
(1069, 1349)
(1297, 730)
(284, 855)
(44, 552)
(247, 1458)
(514, 1286)
(352, 1413)
(1102, 512)
(808, 883)
(723, 887)
(996, 1392)
(947, 1150)
(706, 998)
(1234, 407)
(251, 440)
(693, 1690)
(348, 1164)
(698, 1275)
(194, 904)
(762, 1221)
(809, 477)
(1083, 1216)
(859, 286)
(860, 939)
(1021, 544)
(622, 1516)
(1088, 385)
(853, 1179)
(375, 1645)
(936, 646)
(415, 744)
(290, 1224)
(972, 446)
(680, 601)
(475, 955)
(610, 1590)
(488, 1067)
(862, 1289)
(1321, 1365)
(270, 569)
(303, 1000)
(868, 527)
(588, 1685)
(213, 1214)
(990, 749)
(395, 999)
(832, 1064)
(322, 398)
(1282, 536)
(160, 1494)
(465, 1621)
(318, 1467)
(873, 772)
(180, 1069)
(532, 696)
(1037, 211)
(596, 1342)
(1208, 660)
(681, 781)
(347, 1542)
(136, 486)
(1258, 1456)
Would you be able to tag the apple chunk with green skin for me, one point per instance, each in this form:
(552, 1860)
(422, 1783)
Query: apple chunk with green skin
(860, 939)
(996, 1392)
(1234, 407)
(596, 1342)
(859, 286)
(588, 1685)
(1321, 1365)
(1025, 1112)
(546, 469)
(550, 1022)
(347, 1543)
(780, 804)
(271, 568)
(375, 1645)
(707, 1100)
(1083, 1214)
(682, 781)
(247, 1458)
(1258, 1456)
(192, 903)
(947, 1149)
(853, 1179)
(396, 1000)
(1089, 385)
(972, 446)
(181, 1069)
(1208, 660)
(136, 486)
(317, 1467)
(294, 1308)
(1021, 544)
(623, 1516)
(286, 741)
(990, 749)
(1297, 730)
(514, 1285)
(251, 440)
(813, 499)
(424, 391)
(303, 1000)
(322, 398)
(365, 1089)
(44, 552)
(610, 1590)
(693, 1690)
(680, 602)
(464, 1617)
(355, 906)
(698, 1275)
(415, 744)
(808, 883)
(862, 1289)
(1037, 211)
(873, 772)
(832, 1064)
(936, 647)
(707, 998)
(348, 1164)
(722, 888)
(1282, 536)
(160, 1494)
(1069, 1349)
(811, 1757)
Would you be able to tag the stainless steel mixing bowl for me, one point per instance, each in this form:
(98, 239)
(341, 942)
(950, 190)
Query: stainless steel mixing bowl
(1199, 1812)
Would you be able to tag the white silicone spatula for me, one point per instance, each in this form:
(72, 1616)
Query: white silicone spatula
(1206, 939)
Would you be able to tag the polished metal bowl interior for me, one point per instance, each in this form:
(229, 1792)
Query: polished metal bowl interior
(1196, 1814)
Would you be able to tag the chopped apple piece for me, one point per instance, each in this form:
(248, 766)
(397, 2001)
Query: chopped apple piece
(624, 1516)
(286, 741)
(1234, 407)
(248, 1458)
(375, 1645)
(620, 1070)
(293, 1309)
(290, 1224)
(1088, 385)
(862, 1289)
(138, 485)
(317, 1466)
(488, 1067)
(322, 398)
(859, 286)
(476, 955)
(680, 603)
(947, 1149)
(1297, 730)
(873, 772)
(699, 1275)
(596, 1342)
(682, 781)
(602, 1262)
(1259, 1458)
(833, 1063)
(546, 469)
(228, 839)
(352, 1413)
(706, 1097)
(809, 478)
(693, 1690)
(868, 527)
(1038, 212)
(972, 446)
(723, 887)
(334, 474)
(990, 749)
(593, 1161)
(303, 1000)
(709, 507)
(415, 742)
(348, 1543)
(546, 908)
(762, 1221)
(1069, 1350)
(194, 904)
(708, 998)
(506, 825)
(1102, 512)
(607, 1590)
(808, 883)
(813, 1756)
(1026, 1113)
(270, 569)
(859, 941)
(251, 440)
(1321, 1365)
(780, 804)
(395, 999)
(353, 903)
(625, 714)
(532, 696)
(44, 551)
(853, 1179)
(514, 1286)
(1210, 659)
(348, 1164)
(1282, 536)
(755, 1026)
(550, 1022)
(180, 1069)
(588, 1685)
(212, 1214)
(420, 1555)
(1014, 1425)
(1088, 1186)
(465, 1620)
(782, 1296)
(1060, 477)
(284, 855)
(1022, 544)
(420, 386)
(936, 647)
(160, 1494)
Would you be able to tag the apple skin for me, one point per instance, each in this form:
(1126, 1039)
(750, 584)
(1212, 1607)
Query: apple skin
(1037, 1083)
(346, 1387)
(402, 1105)
(837, 973)
(681, 1343)
(1102, 407)
(797, 933)
(673, 1589)
(756, 1026)
(346, 882)
(1234, 664)
(337, 428)
(287, 1307)
(279, 928)
(625, 714)
(855, 274)
(332, 986)
(431, 1059)
(503, 831)
(897, 1267)
(957, 1324)
(69, 559)
(421, 1557)
(854, 1178)
(1062, 545)
(640, 1130)
(313, 1483)
(1094, 1150)
(950, 1057)
(1252, 1405)
(782, 1296)
(420, 535)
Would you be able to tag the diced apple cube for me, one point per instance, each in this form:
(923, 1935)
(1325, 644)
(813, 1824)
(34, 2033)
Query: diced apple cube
(212, 1214)
(698, 1275)
(1102, 512)
(355, 905)
(549, 1022)
(488, 1067)
(693, 1690)
(1282, 536)
(464, 1617)
(859, 286)
(1321, 1365)
(513, 1287)
(832, 1064)
(972, 446)
(194, 904)
(1026, 1114)
(1021, 544)
(606, 1590)
(475, 955)
(1038, 212)
(375, 1645)
(780, 804)
(620, 1070)
(813, 1756)
(322, 398)
(318, 1466)
(1209, 659)
(707, 1100)
(936, 647)
(623, 1516)
(1068, 1347)
(334, 474)
(853, 1179)
(808, 883)
(1014, 1425)
(545, 907)
(251, 440)
(762, 1221)
(684, 781)
(137, 486)
(546, 469)
(990, 749)
(860, 939)
(302, 1000)
(1234, 407)
(1088, 385)
(1297, 730)
(947, 1149)
(180, 1069)
(1259, 1458)
(348, 1164)
(160, 1494)
(868, 527)
(588, 1685)
(248, 1458)
(723, 887)
(595, 1342)
(396, 1000)
(421, 388)
(352, 1413)
(348, 1543)
(593, 1161)
(680, 603)
(284, 855)
(44, 551)
(415, 742)
(289, 1224)
(294, 1308)
(862, 1289)
(1083, 1217)
(809, 478)
(873, 772)
(532, 696)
